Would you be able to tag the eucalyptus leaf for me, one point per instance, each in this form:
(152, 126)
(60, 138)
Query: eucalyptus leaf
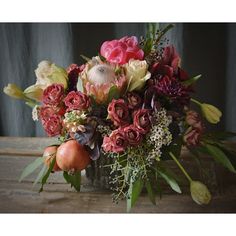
(31, 168)
(113, 93)
(192, 80)
(169, 179)
(134, 192)
(45, 177)
(220, 156)
(40, 175)
(150, 192)
(79, 85)
(74, 180)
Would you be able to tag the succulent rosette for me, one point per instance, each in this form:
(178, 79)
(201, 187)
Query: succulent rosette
(131, 108)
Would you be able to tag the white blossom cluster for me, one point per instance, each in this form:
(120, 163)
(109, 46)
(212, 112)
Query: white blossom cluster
(104, 130)
(159, 134)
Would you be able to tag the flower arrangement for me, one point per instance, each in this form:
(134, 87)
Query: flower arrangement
(131, 104)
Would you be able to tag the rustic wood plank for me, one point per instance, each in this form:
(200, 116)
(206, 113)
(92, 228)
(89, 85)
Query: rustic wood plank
(19, 198)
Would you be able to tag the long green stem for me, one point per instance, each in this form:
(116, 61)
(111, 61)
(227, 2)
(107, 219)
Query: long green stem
(181, 167)
(195, 101)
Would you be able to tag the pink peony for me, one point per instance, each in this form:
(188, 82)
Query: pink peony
(142, 120)
(116, 142)
(132, 135)
(122, 50)
(53, 94)
(77, 101)
(118, 112)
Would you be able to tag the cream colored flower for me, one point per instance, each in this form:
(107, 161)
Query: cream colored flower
(211, 113)
(14, 91)
(137, 74)
(34, 92)
(200, 193)
(48, 73)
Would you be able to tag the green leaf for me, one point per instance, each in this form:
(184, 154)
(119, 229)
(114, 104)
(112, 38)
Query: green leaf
(40, 175)
(164, 31)
(103, 59)
(45, 177)
(31, 168)
(134, 191)
(219, 156)
(150, 192)
(74, 180)
(169, 179)
(85, 58)
(113, 93)
(220, 135)
(148, 46)
(192, 80)
(79, 85)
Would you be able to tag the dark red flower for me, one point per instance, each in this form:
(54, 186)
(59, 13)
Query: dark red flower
(192, 136)
(118, 112)
(116, 142)
(45, 112)
(53, 125)
(142, 120)
(134, 100)
(132, 135)
(53, 94)
(77, 101)
(173, 89)
(193, 119)
(73, 73)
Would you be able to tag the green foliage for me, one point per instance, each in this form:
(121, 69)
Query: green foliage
(113, 93)
(85, 58)
(135, 189)
(45, 177)
(74, 180)
(31, 168)
(102, 58)
(40, 175)
(220, 156)
(168, 177)
(192, 80)
(151, 193)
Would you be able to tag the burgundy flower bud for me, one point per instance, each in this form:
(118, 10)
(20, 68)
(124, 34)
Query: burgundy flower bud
(134, 100)
(73, 72)
(142, 120)
(118, 112)
(53, 94)
(77, 101)
(133, 135)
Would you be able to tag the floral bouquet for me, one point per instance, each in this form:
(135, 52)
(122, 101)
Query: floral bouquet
(130, 105)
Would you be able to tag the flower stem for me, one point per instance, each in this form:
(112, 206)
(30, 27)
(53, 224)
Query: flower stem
(195, 101)
(181, 167)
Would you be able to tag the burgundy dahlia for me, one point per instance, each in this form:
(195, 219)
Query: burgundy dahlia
(73, 72)
(173, 89)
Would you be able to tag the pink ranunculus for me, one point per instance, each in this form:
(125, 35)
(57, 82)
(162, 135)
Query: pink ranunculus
(133, 135)
(192, 136)
(116, 142)
(122, 50)
(118, 112)
(76, 100)
(142, 120)
(53, 125)
(46, 112)
(53, 94)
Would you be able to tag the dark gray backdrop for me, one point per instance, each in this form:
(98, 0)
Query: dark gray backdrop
(209, 49)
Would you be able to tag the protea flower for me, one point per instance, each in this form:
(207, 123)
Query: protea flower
(98, 77)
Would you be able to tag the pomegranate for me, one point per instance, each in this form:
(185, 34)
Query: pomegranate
(71, 156)
(49, 154)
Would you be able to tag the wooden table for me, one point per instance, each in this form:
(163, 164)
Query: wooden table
(58, 197)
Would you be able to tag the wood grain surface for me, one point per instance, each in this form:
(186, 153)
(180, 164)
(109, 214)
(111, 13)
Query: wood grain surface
(58, 197)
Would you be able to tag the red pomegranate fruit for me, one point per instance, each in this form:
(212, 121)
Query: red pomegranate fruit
(71, 156)
(49, 154)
